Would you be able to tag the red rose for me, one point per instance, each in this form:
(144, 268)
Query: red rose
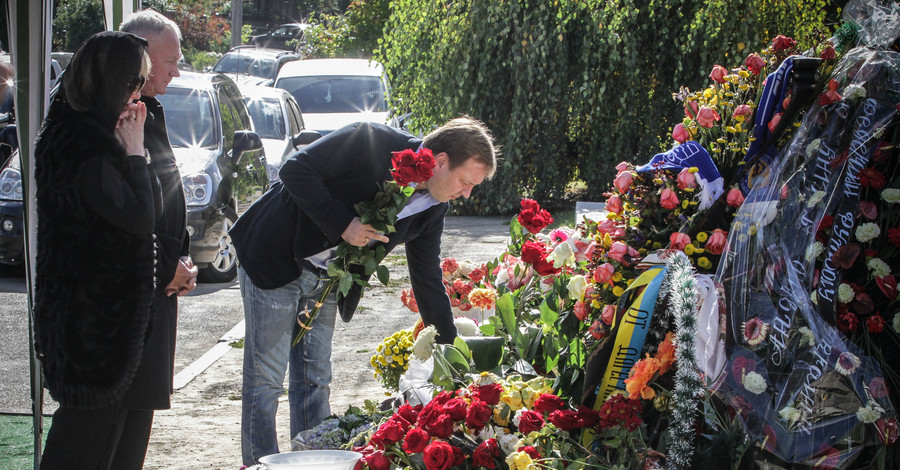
(415, 441)
(718, 74)
(755, 63)
(489, 394)
(478, 415)
(742, 112)
(548, 403)
(530, 421)
(887, 431)
(566, 419)
(532, 217)
(782, 42)
(377, 461)
(678, 240)
(441, 426)
(425, 165)
(456, 409)
(458, 456)
(438, 456)
(485, 454)
(589, 416)
(533, 252)
(828, 53)
(531, 451)
(734, 198)
(404, 175)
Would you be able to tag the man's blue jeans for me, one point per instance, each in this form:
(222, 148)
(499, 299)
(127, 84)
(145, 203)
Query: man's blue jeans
(270, 318)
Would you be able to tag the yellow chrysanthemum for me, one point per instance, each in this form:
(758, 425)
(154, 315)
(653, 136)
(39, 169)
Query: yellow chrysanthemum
(704, 263)
(702, 237)
(689, 249)
(618, 291)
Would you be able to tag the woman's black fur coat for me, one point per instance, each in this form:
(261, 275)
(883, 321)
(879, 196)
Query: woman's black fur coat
(94, 282)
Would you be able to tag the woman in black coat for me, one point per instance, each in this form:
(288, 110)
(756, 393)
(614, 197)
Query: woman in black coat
(95, 250)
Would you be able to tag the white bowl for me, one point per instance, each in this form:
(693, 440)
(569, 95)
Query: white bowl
(312, 459)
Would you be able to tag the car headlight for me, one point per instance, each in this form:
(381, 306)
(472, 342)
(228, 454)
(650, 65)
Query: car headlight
(11, 184)
(197, 189)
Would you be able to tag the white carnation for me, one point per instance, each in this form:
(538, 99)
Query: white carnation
(845, 293)
(891, 195)
(895, 323)
(852, 92)
(878, 267)
(508, 442)
(867, 232)
(867, 414)
(466, 326)
(789, 414)
(813, 251)
(754, 383)
(424, 344)
(806, 336)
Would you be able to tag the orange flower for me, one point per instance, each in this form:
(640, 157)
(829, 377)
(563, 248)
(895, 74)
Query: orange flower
(665, 354)
(482, 298)
(639, 378)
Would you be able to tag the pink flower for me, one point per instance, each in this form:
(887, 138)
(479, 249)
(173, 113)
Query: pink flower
(623, 166)
(734, 198)
(558, 236)
(690, 109)
(597, 330)
(718, 74)
(742, 112)
(608, 315)
(614, 204)
(581, 310)
(604, 273)
(716, 242)
(755, 63)
(773, 123)
(618, 251)
(680, 134)
(668, 199)
(782, 42)
(686, 180)
(623, 181)
(878, 387)
(678, 240)
(707, 117)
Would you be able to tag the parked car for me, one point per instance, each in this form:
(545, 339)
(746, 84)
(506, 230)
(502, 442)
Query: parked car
(257, 66)
(12, 226)
(278, 37)
(277, 119)
(335, 92)
(222, 165)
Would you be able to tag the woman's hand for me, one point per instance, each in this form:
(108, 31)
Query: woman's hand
(130, 128)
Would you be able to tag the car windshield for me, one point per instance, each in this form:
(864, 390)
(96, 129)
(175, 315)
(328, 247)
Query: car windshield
(236, 62)
(336, 94)
(267, 117)
(190, 118)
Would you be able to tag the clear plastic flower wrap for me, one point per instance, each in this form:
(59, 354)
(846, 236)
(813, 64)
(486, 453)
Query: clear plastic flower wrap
(803, 388)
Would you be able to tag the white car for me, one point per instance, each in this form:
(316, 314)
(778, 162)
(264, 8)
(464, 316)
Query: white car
(276, 118)
(335, 92)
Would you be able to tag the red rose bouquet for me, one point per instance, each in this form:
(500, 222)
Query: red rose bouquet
(409, 168)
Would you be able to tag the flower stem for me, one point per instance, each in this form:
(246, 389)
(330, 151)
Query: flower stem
(305, 325)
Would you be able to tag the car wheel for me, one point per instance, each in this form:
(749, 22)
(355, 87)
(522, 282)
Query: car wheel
(224, 267)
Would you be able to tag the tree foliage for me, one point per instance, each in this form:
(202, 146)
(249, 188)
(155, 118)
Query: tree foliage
(352, 34)
(570, 87)
(75, 21)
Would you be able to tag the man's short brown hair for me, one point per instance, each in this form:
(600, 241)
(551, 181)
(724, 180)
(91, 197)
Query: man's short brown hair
(463, 138)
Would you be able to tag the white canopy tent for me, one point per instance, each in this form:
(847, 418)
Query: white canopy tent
(29, 23)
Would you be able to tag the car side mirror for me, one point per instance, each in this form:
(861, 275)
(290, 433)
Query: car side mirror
(305, 137)
(245, 141)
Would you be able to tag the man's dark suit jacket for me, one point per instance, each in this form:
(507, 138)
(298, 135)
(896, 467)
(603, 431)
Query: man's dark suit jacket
(307, 213)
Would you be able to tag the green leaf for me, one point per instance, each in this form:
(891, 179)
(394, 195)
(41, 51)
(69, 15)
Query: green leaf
(384, 274)
(548, 315)
(345, 283)
(486, 351)
(460, 343)
(370, 266)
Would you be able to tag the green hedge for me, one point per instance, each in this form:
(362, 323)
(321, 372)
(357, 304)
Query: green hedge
(570, 87)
